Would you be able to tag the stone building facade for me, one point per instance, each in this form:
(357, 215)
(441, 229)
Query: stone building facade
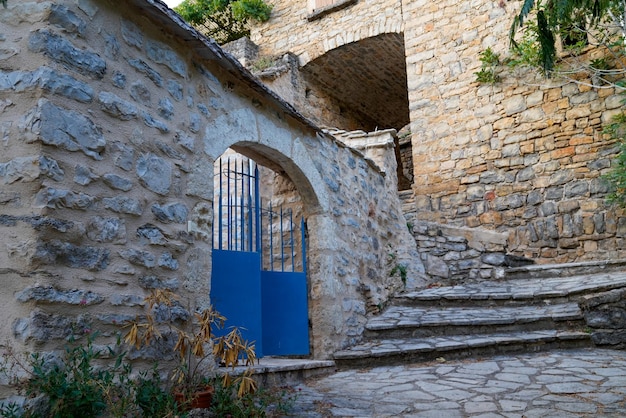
(111, 120)
(522, 157)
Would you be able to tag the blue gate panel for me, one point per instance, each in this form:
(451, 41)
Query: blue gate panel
(285, 313)
(236, 293)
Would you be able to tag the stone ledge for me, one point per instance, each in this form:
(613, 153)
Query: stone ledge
(320, 13)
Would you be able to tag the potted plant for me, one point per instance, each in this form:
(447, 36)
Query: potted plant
(195, 344)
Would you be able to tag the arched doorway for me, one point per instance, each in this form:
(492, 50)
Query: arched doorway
(259, 280)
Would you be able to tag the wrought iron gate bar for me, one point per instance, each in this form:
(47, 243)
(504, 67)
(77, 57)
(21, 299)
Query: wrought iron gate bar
(241, 227)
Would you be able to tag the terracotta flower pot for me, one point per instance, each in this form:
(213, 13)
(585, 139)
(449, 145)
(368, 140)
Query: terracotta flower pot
(199, 399)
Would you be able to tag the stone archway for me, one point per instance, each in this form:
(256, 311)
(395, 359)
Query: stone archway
(261, 139)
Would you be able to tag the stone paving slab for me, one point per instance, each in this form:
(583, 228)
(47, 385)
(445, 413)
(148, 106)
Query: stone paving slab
(408, 316)
(435, 346)
(521, 289)
(564, 383)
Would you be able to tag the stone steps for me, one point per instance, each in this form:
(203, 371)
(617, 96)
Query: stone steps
(480, 319)
(412, 322)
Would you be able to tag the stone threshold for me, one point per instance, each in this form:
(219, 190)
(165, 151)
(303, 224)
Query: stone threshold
(277, 371)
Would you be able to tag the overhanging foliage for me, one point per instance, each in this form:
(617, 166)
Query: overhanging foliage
(224, 20)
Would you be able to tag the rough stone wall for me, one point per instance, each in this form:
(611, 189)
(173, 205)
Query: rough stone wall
(100, 194)
(605, 315)
(523, 156)
(110, 128)
(401, 251)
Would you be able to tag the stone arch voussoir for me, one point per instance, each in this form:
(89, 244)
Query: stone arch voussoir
(260, 138)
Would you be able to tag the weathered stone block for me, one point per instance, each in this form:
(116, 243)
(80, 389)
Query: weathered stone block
(163, 54)
(49, 80)
(101, 229)
(143, 68)
(172, 212)
(43, 327)
(65, 18)
(151, 122)
(83, 175)
(56, 198)
(132, 34)
(65, 129)
(20, 169)
(117, 182)
(63, 51)
(50, 294)
(116, 107)
(138, 257)
(152, 234)
(155, 173)
(140, 93)
(167, 261)
(70, 255)
(123, 204)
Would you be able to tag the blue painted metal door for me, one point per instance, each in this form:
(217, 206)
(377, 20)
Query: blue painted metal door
(236, 293)
(258, 277)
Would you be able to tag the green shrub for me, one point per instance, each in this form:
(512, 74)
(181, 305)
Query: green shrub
(74, 386)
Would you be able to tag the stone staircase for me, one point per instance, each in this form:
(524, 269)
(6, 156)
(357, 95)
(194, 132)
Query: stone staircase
(537, 309)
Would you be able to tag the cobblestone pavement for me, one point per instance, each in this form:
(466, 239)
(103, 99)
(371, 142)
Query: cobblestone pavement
(572, 383)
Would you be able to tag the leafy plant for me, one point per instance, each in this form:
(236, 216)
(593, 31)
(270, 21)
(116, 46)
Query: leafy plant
(569, 19)
(75, 386)
(264, 402)
(263, 63)
(150, 396)
(490, 61)
(400, 269)
(11, 410)
(224, 20)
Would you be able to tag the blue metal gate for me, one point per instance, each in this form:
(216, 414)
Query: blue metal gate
(259, 264)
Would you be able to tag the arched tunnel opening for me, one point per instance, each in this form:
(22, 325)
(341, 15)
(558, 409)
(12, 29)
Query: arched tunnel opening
(367, 80)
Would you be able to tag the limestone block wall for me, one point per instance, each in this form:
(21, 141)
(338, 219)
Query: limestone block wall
(110, 125)
(523, 156)
(290, 30)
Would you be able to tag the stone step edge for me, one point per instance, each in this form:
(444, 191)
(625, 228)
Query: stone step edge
(269, 365)
(271, 372)
(417, 296)
(556, 270)
(474, 322)
(443, 344)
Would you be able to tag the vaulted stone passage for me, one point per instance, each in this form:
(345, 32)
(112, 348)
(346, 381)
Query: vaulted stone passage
(368, 77)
